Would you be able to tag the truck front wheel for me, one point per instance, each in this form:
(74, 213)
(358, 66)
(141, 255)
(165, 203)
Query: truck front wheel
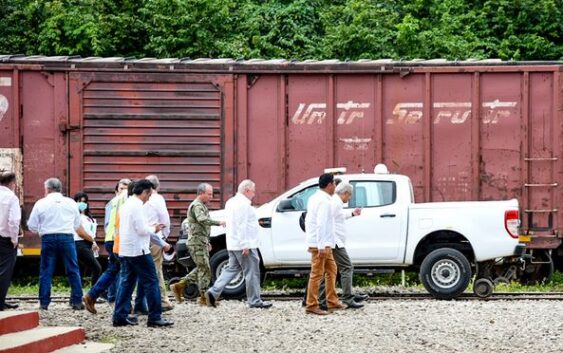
(445, 273)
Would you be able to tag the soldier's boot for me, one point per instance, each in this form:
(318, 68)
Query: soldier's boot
(202, 300)
(178, 290)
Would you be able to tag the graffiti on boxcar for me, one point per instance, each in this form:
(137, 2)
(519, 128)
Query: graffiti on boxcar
(3, 106)
(453, 112)
(316, 112)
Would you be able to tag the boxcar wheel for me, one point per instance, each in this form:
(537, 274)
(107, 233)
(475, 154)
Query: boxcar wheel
(483, 287)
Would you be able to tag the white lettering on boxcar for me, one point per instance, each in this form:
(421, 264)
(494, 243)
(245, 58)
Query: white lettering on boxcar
(3, 106)
(496, 110)
(350, 112)
(452, 112)
(457, 113)
(355, 143)
(407, 113)
(316, 113)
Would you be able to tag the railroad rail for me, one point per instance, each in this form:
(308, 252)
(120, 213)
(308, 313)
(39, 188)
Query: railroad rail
(296, 296)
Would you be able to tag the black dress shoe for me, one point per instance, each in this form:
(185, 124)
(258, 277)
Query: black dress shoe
(127, 322)
(160, 323)
(354, 305)
(11, 306)
(211, 301)
(78, 306)
(360, 297)
(262, 305)
(133, 319)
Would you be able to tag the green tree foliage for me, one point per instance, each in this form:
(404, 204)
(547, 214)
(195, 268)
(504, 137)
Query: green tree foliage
(290, 29)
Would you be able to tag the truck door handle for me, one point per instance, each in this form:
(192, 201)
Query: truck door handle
(387, 215)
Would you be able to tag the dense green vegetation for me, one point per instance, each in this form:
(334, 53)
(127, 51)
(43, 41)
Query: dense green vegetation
(290, 29)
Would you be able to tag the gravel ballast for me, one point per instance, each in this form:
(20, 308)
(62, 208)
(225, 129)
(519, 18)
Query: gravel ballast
(382, 326)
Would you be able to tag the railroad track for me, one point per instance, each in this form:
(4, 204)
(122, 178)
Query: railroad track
(372, 297)
(426, 296)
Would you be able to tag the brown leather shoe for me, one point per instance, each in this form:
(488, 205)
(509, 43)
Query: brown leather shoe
(202, 300)
(340, 306)
(316, 311)
(167, 307)
(178, 290)
(90, 304)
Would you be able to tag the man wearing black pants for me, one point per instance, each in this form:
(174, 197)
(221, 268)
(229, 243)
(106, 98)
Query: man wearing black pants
(10, 217)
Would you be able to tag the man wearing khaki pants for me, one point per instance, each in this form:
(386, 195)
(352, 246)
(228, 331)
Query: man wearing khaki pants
(319, 225)
(157, 213)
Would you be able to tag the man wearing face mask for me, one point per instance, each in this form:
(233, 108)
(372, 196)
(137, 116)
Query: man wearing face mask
(110, 278)
(85, 250)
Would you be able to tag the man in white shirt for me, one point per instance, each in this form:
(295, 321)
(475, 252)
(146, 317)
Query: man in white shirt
(242, 245)
(157, 213)
(55, 218)
(10, 217)
(137, 264)
(319, 225)
(342, 195)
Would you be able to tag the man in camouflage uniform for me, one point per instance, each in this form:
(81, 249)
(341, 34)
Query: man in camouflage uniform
(199, 228)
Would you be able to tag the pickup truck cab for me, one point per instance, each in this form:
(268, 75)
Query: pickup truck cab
(444, 241)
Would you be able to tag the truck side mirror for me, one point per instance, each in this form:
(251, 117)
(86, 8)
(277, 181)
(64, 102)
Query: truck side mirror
(285, 205)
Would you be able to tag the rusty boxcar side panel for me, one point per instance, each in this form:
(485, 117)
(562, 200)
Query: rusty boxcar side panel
(460, 131)
(459, 134)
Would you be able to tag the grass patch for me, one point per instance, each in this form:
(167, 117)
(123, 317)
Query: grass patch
(30, 285)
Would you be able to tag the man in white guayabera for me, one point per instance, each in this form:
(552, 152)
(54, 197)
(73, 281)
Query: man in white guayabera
(242, 245)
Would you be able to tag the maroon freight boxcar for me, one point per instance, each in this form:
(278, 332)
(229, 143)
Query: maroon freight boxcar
(471, 130)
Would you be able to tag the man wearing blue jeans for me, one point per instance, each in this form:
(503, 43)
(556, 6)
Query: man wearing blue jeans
(137, 264)
(55, 218)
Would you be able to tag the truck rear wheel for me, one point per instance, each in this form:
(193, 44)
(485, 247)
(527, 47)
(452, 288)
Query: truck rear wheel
(445, 273)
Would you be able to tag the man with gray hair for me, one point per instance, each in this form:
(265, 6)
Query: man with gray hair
(199, 228)
(56, 217)
(157, 213)
(342, 195)
(242, 245)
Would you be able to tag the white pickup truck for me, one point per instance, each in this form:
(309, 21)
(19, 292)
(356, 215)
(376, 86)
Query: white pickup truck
(444, 241)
